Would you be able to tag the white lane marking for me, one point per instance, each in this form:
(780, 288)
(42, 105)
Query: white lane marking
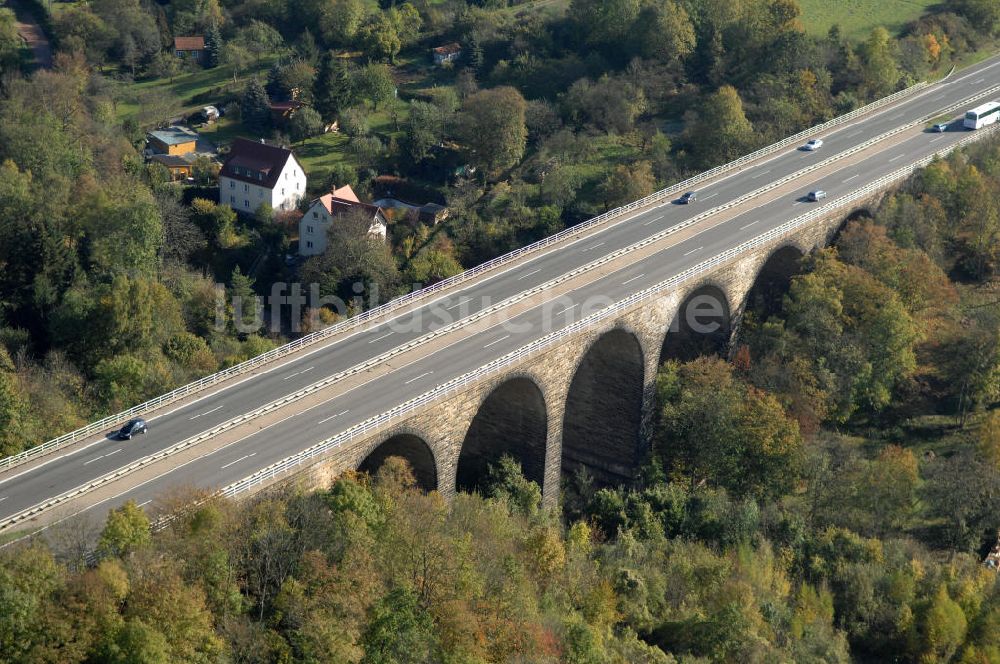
(307, 370)
(749, 225)
(426, 373)
(4, 498)
(628, 281)
(693, 250)
(340, 339)
(334, 341)
(977, 82)
(754, 177)
(528, 274)
(796, 203)
(939, 97)
(654, 219)
(245, 456)
(496, 341)
(460, 302)
(935, 140)
(852, 177)
(564, 310)
(806, 155)
(102, 456)
(333, 416)
(593, 246)
(384, 336)
(705, 198)
(145, 503)
(207, 412)
(896, 157)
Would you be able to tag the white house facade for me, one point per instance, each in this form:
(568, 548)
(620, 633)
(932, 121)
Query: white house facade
(255, 173)
(315, 224)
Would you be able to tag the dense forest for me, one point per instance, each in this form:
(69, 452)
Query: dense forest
(825, 494)
(549, 117)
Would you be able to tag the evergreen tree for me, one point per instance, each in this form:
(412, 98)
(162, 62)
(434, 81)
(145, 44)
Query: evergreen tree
(333, 89)
(213, 46)
(306, 47)
(255, 107)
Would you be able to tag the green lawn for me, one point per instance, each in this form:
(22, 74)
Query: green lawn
(857, 18)
(186, 87)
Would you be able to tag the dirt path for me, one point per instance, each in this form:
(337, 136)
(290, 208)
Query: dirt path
(31, 32)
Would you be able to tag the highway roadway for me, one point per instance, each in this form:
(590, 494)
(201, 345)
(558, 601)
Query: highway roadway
(20, 490)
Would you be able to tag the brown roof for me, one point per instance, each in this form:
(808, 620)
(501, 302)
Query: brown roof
(249, 158)
(285, 105)
(338, 206)
(189, 43)
(448, 49)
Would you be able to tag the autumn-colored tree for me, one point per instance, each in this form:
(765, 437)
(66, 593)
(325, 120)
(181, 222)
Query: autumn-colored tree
(718, 130)
(715, 428)
(491, 126)
(126, 531)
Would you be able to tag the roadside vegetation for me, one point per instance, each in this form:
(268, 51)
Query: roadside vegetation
(825, 494)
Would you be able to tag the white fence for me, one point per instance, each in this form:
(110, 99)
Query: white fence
(377, 312)
(540, 345)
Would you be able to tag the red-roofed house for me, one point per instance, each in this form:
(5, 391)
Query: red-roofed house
(192, 48)
(315, 224)
(447, 53)
(255, 173)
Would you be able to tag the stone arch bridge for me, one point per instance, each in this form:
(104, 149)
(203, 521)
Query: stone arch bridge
(588, 400)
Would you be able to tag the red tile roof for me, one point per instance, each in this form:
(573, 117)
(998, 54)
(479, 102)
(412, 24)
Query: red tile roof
(189, 43)
(448, 49)
(342, 200)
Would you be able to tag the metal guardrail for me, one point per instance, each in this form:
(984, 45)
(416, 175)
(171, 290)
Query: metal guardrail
(368, 425)
(329, 380)
(388, 307)
(544, 343)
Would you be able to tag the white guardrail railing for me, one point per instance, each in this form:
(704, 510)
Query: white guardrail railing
(388, 307)
(366, 427)
(539, 345)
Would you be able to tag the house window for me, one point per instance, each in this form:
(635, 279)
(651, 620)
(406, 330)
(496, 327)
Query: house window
(246, 187)
(232, 184)
(232, 199)
(246, 204)
(282, 191)
(309, 229)
(309, 245)
(315, 215)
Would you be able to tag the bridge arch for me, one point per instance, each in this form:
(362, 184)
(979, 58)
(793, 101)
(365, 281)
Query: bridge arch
(512, 419)
(772, 280)
(408, 445)
(702, 325)
(602, 418)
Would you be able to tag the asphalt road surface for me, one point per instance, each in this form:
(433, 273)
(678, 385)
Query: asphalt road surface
(19, 491)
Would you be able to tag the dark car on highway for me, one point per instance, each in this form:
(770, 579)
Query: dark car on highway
(689, 197)
(131, 428)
